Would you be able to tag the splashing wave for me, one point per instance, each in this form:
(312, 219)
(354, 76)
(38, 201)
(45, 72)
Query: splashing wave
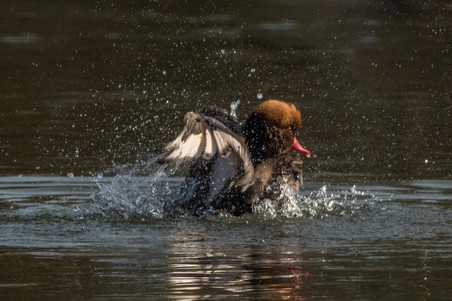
(318, 203)
(131, 196)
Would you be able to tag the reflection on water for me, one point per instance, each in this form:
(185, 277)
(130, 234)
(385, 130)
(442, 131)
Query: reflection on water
(91, 90)
(254, 275)
(358, 242)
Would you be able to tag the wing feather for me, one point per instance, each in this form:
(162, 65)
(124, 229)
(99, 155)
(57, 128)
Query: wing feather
(191, 141)
(206, 136)
(211, 147)
(192, 147)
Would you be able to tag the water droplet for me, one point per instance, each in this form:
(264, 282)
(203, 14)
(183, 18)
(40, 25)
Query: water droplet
(234, 106)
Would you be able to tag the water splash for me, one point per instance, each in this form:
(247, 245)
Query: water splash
(234, 106)
(144, 192)
(131, 196)
(319, 203)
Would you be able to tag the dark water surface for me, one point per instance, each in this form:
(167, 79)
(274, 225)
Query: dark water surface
(91, 90)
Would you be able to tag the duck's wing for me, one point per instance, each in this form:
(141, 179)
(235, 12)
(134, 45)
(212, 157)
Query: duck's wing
(208, 133)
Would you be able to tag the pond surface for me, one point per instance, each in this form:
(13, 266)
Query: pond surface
(348, 243)
(91, 91)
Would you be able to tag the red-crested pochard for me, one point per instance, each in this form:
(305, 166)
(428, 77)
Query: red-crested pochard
(232, 166)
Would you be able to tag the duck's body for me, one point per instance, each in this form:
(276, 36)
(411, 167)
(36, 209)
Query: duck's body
(232, 167)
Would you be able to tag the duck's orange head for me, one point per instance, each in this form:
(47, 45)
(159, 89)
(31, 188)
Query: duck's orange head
(280, 114)
(270, 130)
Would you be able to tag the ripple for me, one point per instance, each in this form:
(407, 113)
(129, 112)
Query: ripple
(20, 39)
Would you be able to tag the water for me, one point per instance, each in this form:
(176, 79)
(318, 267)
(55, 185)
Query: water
(352, 242)
(91, 91)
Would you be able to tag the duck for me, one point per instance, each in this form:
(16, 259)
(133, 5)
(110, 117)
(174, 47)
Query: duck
(232, 166)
